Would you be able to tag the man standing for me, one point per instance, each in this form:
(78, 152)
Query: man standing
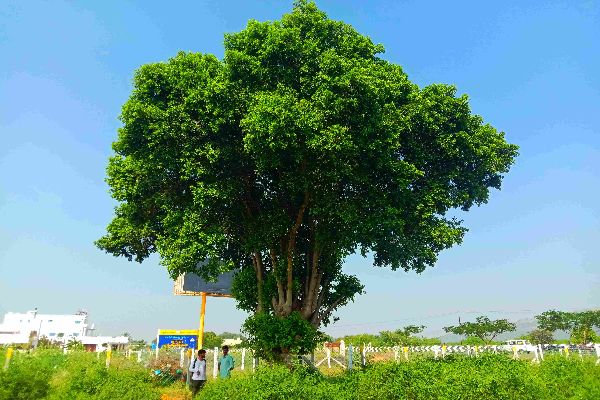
(198, 370)
(225, 363)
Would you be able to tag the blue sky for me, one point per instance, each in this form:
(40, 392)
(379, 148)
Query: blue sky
(530, 68)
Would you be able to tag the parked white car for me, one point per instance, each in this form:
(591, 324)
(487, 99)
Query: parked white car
(523, 345)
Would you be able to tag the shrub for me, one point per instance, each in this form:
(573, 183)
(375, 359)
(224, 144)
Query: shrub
(84, 376)
(29, 375)
(487, 377)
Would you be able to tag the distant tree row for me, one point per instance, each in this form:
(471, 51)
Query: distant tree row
(579, 325)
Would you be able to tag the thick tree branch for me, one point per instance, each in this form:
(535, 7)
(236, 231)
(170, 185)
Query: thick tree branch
(290, 253)
(257, 258)
(328, 311)
(280, 291)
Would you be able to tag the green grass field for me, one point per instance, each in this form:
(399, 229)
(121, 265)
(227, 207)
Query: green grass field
(49, 374)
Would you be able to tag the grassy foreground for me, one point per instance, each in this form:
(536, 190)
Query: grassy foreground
(48, 374)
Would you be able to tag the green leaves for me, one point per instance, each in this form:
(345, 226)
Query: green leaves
(297, 149)
(271, 336)
(483, 328)
(579, 324)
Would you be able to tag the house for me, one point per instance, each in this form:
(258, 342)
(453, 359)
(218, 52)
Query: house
(231, 342)
(17, 327)
(20, 328)
(102, 343)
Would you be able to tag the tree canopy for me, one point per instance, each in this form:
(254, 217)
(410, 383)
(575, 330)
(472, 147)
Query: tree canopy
(483, 328)
(580, 325)
(302, 146)
(403, 337)
(540, 336)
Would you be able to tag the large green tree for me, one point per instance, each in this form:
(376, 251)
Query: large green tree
(580, 325)
(483, 328)
(302, 146)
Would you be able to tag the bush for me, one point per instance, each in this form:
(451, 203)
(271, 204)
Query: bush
(49, 374)
(272, 337)
(84, 376)
(487, 377)
(29, 375)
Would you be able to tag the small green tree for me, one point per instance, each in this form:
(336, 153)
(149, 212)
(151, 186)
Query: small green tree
(483, 328)
(74, 344)
(403, 337)
(540, 336)
(581, 322)
(210, 340)
(45, 342)
(583, 335)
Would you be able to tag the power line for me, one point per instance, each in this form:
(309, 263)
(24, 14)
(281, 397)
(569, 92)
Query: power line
(428, 317)
(395, 320)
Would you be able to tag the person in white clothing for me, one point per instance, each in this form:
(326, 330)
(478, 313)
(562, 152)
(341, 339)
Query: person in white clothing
(198, 370)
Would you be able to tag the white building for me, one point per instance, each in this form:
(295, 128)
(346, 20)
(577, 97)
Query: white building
(18, 328)
(231, 342)
(61, 328)
(102, 343)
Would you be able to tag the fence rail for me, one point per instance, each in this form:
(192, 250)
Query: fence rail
(172, 364)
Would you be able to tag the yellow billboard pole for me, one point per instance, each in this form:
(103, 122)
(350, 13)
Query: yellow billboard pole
(202, 312)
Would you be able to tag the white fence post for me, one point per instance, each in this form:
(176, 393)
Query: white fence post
(328, 358)
(396, 354)
(216, 362)
(243, 356)
(362, 356)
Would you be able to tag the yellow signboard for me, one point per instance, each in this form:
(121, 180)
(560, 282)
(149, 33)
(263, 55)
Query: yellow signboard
(174, 332)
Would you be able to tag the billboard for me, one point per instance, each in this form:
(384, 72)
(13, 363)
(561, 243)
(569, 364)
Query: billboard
(192, 285)
(183, 339)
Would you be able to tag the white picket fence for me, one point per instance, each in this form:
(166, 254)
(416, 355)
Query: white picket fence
(537, 350)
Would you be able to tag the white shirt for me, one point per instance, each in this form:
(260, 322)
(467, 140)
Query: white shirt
(198, 366)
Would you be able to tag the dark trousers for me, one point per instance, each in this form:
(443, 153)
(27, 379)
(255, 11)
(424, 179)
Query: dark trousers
(196, 386)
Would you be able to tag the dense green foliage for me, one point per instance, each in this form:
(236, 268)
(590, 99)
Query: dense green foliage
(540, 336)
(583, 335)
(302, 146)
(579, 324)
(486, 377)
(210, 340)
(273, 336)
(49, 374)
(483, 328)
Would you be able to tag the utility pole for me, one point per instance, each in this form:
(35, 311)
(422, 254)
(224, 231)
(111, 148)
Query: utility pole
(461, 337)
